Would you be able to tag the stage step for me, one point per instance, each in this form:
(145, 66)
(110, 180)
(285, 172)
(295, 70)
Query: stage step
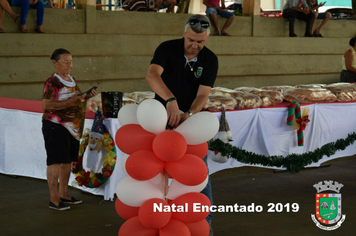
(117, 52)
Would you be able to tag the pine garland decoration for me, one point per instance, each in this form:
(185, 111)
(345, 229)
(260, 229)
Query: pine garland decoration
(293, 162)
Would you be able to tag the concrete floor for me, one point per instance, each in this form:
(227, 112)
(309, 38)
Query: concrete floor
(24, 204)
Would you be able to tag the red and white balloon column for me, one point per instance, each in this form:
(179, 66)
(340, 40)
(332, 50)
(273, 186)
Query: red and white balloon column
(155, 157)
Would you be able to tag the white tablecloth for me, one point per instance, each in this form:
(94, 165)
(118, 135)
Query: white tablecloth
(262, 131)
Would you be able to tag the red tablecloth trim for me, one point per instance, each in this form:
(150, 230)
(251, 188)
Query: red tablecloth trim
(30, 105)
(36, 106)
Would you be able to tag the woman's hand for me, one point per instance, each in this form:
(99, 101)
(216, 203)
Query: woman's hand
(76, 99)
(91, 94)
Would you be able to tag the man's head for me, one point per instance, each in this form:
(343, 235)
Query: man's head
(196, 34)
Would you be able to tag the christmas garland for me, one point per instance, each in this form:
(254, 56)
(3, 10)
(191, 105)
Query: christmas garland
(89, 178)
(293, 162)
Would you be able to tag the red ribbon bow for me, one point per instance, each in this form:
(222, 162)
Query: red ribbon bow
(302, 122)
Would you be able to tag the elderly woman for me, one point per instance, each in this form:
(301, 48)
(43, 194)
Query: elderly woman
(63, 119)
(348, 73)
(5, 7)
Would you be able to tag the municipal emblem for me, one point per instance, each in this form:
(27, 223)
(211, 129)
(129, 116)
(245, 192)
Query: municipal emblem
(199, 72)
(328, 205)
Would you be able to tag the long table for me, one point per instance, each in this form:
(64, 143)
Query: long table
(262, 131)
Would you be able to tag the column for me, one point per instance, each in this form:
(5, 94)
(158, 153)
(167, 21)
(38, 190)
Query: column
(90, 14)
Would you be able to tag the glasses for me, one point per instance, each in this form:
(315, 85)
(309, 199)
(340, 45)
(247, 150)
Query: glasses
(202, 23)
(65, 62)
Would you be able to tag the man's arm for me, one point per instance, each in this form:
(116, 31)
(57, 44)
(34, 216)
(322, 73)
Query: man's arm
(156, 83)
(223, 4)
(198, 103)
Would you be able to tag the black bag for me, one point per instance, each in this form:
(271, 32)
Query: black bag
(111, 103)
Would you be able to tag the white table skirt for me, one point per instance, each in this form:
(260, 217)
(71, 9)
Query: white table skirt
(262, 131)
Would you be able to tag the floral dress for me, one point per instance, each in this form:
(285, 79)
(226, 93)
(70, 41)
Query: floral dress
(72, 118)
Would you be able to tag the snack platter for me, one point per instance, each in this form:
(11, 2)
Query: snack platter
(249, 97)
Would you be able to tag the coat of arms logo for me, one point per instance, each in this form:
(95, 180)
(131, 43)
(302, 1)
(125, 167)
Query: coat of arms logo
(328, 205)
(199, 72)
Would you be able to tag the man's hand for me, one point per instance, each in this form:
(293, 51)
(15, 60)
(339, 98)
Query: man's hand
(173, 113)
(33, 2)
(183, 117)
(306, 11)
(321, 4)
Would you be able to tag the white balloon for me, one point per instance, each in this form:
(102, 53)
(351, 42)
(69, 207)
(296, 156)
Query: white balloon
(133, 192)
(128, 114)
(158, 179)
(199, 128)
(152, 116)
(177, 189)
(123, 164)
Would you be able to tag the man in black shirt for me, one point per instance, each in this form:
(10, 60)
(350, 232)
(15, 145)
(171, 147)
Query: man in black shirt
(182, 72)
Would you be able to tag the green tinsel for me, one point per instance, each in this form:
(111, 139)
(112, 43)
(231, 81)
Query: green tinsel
(293, 162)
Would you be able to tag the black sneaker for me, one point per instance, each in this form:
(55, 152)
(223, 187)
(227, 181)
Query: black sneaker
(71, 201)
(61, 206)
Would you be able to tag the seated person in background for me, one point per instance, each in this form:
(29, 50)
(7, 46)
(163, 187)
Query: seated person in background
(213, 9)
(5, 6)
(314, 6)
(169, 4)
(348, 73)
(49, 4)
(298, 9)
(237, 7)
(25, 7)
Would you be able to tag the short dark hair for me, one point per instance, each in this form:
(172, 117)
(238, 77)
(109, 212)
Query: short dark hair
(352, 41)
(58, 52)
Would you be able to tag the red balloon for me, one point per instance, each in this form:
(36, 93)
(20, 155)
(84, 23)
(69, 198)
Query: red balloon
(143, 165)
(196, 205)
(169, 145)
(189, 170)
(200, 228)
(152, 217)
(200, 150)
(174, 228)
(132, 137)
(133, 227)
(126, 212)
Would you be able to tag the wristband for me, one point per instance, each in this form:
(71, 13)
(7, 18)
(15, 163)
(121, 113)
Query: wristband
(189, 113)
(171, 100)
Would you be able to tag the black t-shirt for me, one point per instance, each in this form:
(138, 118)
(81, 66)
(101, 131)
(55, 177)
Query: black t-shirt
(178, 77)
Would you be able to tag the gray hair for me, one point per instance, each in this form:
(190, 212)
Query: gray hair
(197, 28)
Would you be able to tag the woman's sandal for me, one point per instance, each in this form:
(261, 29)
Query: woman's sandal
(38, 30)
(225, 34)
(25, 30)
